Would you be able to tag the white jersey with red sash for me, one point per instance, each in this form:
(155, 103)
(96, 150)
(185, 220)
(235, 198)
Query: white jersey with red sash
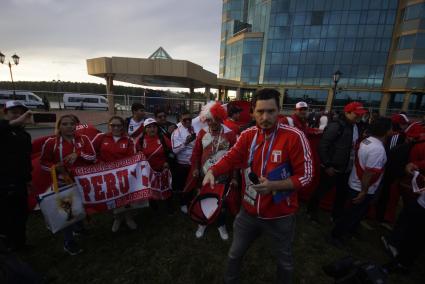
(371, 156)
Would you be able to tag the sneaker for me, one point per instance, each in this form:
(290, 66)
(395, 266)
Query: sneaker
(72, 248)
(223, 233)
(116, 225)
(183, 209)
(200, 231)
(130, 223)
(392, 250)
(387, 226)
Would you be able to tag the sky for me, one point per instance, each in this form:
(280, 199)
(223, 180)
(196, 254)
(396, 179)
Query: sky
(55, 37)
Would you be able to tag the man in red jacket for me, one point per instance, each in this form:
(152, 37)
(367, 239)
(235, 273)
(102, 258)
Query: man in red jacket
(276, 162)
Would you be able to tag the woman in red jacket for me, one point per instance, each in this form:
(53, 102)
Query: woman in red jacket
(112, 146)
(156, 147)
(65, 151)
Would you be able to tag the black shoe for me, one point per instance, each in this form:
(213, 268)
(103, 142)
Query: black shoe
(80, 233)
(72, 248)
(395, 267)
(390, 248)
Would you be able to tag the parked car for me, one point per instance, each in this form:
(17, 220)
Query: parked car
(81, 101)
(31, 100)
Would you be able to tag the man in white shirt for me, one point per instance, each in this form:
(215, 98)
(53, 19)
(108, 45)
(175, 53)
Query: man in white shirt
(183, 140)
(135, 123)
(364, 178)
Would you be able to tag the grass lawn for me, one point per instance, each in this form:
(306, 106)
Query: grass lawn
(165, 250)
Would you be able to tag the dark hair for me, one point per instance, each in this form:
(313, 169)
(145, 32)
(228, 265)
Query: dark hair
(185, 112)
(380, 127)
(137, 106)
(158, 111)
(117, 117)
(265, 94)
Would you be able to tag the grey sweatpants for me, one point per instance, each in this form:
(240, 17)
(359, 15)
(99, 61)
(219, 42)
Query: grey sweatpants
(246, 229)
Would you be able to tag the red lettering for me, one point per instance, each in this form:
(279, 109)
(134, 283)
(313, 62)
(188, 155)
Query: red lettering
(111, 186)
(97, 182)
(123, 181)
(85, 184)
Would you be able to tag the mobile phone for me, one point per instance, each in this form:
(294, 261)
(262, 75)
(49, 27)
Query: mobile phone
(193, 136)
(44, 117)
(253, 178)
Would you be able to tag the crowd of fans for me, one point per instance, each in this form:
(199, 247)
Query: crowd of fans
(367, 160)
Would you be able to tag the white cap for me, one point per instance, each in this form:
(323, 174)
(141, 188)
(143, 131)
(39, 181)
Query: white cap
(13, 104)
(301, 105)
(148, 121)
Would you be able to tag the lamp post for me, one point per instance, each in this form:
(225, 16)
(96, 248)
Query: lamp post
(336, 76)
(15, 59)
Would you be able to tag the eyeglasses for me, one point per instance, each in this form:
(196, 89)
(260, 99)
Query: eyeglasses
(115, 125)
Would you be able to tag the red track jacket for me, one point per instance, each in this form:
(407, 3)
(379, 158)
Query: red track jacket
(107, 150)
(291, 146)
(53, 150)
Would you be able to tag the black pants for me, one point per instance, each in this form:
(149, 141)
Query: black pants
(352, 216)
(13, 214)
(412, 243)
(340, 181)
(180, 174)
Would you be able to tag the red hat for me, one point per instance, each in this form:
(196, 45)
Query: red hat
(206, 206)
(355, 107)
(415, 130)
(399, 119)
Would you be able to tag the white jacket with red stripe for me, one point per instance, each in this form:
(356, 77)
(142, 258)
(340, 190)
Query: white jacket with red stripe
(290, 146)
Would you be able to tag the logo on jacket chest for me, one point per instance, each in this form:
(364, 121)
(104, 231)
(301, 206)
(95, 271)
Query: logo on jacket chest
(276, 156)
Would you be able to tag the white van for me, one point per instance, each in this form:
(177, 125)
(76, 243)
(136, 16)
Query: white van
(31, 100)
(80, 101)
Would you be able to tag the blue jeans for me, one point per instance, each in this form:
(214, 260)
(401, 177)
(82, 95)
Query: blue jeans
(68, 235)
(352, 215)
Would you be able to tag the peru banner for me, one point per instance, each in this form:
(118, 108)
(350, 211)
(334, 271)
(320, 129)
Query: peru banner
(107, 186)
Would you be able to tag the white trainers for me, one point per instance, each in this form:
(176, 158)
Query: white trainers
(116, 225)
(223, 233)
(130, 222)
(200, 231)
(183, 209)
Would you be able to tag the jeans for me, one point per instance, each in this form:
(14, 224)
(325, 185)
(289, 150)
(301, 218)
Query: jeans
(180, 174)
(247, 229)
(352, 216)
(68, 232)
(340, 181)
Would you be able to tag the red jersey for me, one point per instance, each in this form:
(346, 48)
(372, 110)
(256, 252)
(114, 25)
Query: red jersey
(288, 146)
(55, 149)
(233, 126)
(295, 121)
(210, 148)
(109, 148)
(86, 129)
(152, 148)
(417, 155)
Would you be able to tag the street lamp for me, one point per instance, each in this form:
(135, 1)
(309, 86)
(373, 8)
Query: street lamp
(336, 76)
(15, 59)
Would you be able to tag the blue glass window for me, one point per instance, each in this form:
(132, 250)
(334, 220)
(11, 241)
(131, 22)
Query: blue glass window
(406, 41)
(417, 71)
(400, 70)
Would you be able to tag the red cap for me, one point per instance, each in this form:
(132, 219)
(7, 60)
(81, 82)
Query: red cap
(399, 119)
(355, 107)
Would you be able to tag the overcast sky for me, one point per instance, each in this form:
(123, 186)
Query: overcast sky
(55, 37)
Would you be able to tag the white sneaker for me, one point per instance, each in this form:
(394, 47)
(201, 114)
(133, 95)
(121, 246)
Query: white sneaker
(200, 231)
(130, 222)
(183, 209)
(116, 225)
(223, 233)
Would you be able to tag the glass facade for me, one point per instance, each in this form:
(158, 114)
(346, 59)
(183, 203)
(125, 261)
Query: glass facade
(305, 41)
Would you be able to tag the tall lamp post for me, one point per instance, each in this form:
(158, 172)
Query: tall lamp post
(335, 78)
(15, 59)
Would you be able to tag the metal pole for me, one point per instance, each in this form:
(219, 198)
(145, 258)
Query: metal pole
(333, 95)
(13, 83)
